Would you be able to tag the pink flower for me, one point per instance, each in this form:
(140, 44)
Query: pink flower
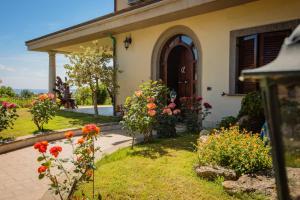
(151, 113)
(167, 111)
(207, 105)
(150, 99)
(176, 111)
(199, 98)
(50, 96)
(5, 104)
(172, 105)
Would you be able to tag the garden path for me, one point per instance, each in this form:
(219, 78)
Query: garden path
(18, 169)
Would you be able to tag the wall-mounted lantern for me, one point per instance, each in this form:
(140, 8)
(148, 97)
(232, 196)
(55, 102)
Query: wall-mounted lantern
(127, 42)
(280, 87)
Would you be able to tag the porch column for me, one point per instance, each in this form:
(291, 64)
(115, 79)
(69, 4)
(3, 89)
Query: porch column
(52, 71)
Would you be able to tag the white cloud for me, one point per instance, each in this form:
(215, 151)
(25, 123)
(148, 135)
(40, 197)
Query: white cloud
(7, 69)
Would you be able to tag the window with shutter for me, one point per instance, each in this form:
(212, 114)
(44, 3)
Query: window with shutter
(247, 59)
(257, 50)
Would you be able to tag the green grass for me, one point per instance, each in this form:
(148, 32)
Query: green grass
(64, 119)
(160, 170)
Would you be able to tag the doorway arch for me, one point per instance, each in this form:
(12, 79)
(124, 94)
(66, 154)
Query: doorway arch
(176, 60)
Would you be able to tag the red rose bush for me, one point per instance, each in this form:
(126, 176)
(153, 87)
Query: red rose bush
(8, 115)
(64, 181)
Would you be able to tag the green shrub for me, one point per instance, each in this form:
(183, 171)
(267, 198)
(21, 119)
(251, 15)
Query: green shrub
(235, 149)
(194, 110)
(83, 96)
(252, 112)
(101, 95)
(6, 91)
(8, 115)
(166, 120)
(26, 94)
(20, 102)
(228, 121)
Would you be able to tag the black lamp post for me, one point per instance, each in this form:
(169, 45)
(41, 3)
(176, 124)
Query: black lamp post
(280, 87)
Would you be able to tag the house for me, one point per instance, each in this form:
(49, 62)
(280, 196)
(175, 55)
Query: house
(197, 47)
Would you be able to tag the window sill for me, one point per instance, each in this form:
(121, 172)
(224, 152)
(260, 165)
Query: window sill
(233, 95)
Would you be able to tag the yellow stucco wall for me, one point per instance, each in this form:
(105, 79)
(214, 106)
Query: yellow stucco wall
(213, 31)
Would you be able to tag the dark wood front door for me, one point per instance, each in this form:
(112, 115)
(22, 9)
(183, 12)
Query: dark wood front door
(178, 69)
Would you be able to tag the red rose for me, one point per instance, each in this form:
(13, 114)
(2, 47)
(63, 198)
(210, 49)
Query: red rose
(41, 146)
(42, 169)
(90, 129)
(55, 150)
(207, 105)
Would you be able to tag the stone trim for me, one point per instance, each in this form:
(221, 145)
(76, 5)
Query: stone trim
(292, 24)
(27, 141)
(160, 43)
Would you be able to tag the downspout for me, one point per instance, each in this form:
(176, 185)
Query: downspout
(114, 41)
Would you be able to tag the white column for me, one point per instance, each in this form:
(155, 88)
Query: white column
(52, 71)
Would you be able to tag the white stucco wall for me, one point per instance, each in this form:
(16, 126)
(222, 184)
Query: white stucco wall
(213, 31)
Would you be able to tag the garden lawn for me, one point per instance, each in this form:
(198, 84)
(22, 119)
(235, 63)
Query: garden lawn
(160, 170)
(64, 119)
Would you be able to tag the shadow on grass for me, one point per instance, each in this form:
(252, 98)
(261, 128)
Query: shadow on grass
(44, 132)
(82, 118)
(163, 146)
(153, 150)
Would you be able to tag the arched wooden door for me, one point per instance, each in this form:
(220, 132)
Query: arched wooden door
(178, 65)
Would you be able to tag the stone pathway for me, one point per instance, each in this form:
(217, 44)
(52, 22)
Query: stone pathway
(18, 169)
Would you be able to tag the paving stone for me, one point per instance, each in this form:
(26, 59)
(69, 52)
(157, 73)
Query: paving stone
(18, 174)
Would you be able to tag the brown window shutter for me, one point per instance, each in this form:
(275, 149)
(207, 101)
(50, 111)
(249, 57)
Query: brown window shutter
(270, 45)
(247, 59)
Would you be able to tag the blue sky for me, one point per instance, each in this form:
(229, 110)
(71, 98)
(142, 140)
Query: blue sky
(22, 20)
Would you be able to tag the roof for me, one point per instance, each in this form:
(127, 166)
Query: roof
(133, 7)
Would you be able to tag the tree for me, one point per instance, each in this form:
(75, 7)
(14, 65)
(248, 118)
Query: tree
(7, 91)
(26, 94)
(91, 67)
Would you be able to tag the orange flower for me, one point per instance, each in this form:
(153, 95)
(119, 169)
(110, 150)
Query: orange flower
(167, 111)
(69, 134)
(43, 97)
(33, 102)
(138, 93)
(89, 173)
(151, 113)
(151, 106)
(90, 129)
(42, 169)
(80, 141)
